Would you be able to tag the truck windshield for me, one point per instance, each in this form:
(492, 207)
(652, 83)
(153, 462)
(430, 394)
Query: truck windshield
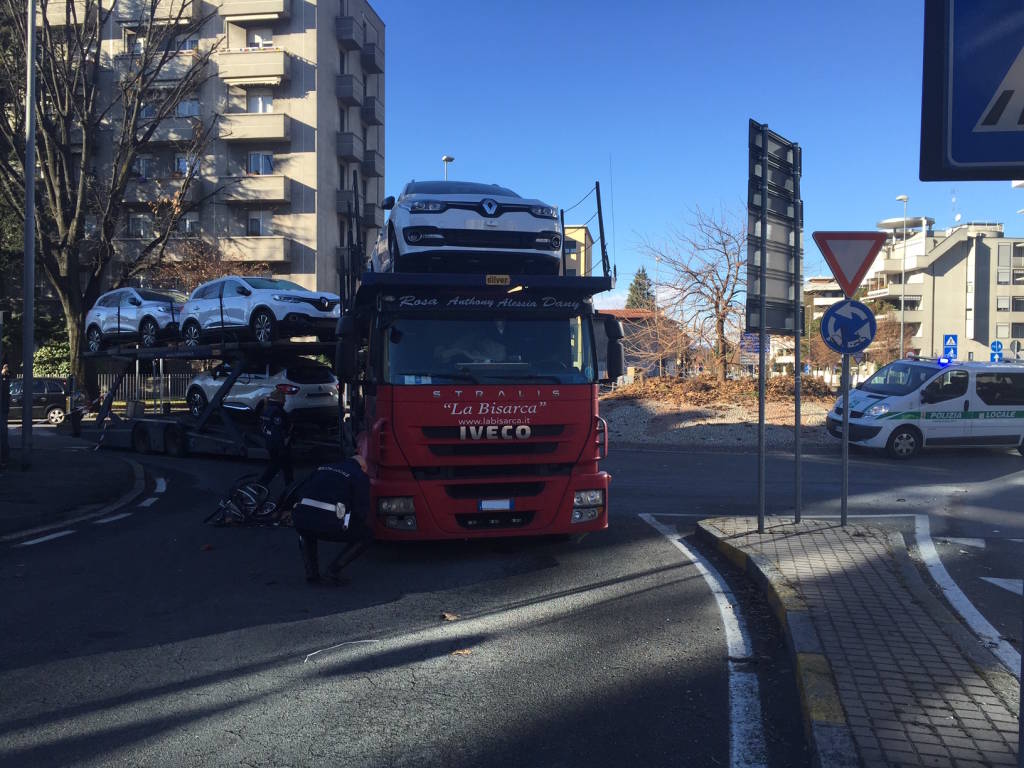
(898, 379)
(484, 351)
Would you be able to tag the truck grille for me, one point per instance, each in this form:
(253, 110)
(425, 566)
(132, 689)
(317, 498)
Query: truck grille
(452, 433)
(493, 449)
(491, 471)
(493, 490)
(490, 520)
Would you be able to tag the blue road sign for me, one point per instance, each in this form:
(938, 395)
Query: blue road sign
(949, 340)
(971, 103)
(949, 352)
(848, 327)
(996, 346)
(995, 357)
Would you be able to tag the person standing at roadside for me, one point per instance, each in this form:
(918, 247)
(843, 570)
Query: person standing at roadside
(5, 409)
(276, 427)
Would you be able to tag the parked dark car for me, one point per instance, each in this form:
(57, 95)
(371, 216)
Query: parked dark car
(49, 402)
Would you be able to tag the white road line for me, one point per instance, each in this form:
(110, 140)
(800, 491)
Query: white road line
(976, 543)
(41, 539)
(148, 502)
(988, 634)
(161, 485)
(339, 645)
(111, 518)
(1010, 585)
(746, 731)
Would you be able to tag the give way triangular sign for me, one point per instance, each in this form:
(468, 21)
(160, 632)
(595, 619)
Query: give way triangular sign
(849, 255)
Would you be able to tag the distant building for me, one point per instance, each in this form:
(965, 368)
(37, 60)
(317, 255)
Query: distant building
(579, 247)
(648, 345)
(820, 293)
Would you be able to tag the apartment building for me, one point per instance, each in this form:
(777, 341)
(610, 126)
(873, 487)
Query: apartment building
(820, 293)
(579, 250)
(297, 95)
(966, 281)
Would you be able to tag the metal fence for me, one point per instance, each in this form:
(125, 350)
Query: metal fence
(146, 387)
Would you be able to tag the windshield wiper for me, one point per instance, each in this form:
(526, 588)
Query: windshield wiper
(457, 376)
(524, 376)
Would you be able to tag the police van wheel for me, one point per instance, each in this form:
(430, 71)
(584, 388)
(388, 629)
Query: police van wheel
(904, 443)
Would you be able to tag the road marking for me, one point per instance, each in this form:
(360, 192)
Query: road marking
(746, 730)
(161, 485)
(41, 539)
(988, 634)
(148, 502)
(339, 645)
(976, 543)
(112, 518)
(1010, 585)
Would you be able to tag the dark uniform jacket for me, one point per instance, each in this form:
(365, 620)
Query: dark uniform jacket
(334, 502)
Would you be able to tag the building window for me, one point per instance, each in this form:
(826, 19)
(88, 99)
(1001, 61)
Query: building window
(1004, 256)
(1002, 330)
(260, 38)
(91, 226)
(144, 167)
(134, 43)
(189, 43)
(188, 224)
(188, 108)
(260, 102)
(1002, 303)
(139, 225)
(148, 111)
(1018, 277)
(259, 224)
(184, 165)
(1018, 330)
(1002, 277)
(1018, 303)
(261, 163)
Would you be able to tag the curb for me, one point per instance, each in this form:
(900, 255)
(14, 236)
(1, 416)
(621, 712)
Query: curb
(828, 733)
(129, 496)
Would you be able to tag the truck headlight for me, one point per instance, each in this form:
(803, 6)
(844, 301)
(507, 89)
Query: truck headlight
(594, 498)
(878, 410)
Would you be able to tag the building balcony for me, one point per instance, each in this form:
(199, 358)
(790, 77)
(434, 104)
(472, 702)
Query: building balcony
(172, 130)
(372, 58)
(152, 192)
(252, 190)
(349, 33)
(130, 12)
(910, 316)
(350, 148)
(349, 89)
(895, 291)
(372, 216)
(264, 126)
(892, 266)
(270, 248)
(255, 10)
(373, 164)
(344, 199)
(174, 70)
(60, 14)
(254, 66)
(373, 111)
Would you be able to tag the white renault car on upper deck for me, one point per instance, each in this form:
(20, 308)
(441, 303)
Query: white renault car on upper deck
(915, 403)
(133, 314)
(262, 308)
(462, 226)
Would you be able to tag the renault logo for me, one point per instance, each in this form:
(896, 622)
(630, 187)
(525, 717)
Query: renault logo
(490, 207)
(324, 302)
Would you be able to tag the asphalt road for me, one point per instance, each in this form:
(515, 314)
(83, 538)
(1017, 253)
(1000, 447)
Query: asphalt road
(152, 639)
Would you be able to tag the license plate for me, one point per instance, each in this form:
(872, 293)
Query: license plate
(495, 505)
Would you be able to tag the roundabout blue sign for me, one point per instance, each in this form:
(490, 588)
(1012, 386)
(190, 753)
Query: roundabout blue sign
(848, 327)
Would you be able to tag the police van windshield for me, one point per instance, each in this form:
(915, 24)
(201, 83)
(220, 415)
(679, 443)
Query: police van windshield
(489, 351)
(899, 378)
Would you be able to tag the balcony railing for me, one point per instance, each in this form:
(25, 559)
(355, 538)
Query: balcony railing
(129, 12)
(373, 164)
(149, 192)
(372, 216)
(373, 111)
(174, 69)
(254, 66)
(242, 190)
(349, 32)
(344, 199)
(172, 130)
(372, 58)
(255, 10)
(272, 248)
(265, 126)
(350, 148)
(349, 90)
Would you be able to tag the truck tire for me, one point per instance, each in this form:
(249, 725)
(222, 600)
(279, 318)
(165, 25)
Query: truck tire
(175, 442)
(140, 439)
(904, 443)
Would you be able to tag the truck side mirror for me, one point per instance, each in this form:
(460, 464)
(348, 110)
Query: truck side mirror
(608, 334)
(388, 203)
(346, 349)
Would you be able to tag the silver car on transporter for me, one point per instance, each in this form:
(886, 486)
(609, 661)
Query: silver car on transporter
(133, 314)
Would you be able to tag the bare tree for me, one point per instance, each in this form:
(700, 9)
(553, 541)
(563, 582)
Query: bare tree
(652, 337)
(98, 105)
(196, 261)
(705, 268)
(886, 345)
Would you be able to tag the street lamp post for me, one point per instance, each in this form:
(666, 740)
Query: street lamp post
(903, 272)
(445, 159)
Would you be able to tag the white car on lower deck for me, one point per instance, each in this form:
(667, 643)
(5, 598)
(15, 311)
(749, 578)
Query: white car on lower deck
(915, 403)
(461, 226)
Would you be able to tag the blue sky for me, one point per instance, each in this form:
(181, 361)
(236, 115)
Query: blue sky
(653, 99)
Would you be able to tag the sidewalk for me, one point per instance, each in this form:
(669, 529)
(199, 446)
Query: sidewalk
(67, 479)
(887, 676)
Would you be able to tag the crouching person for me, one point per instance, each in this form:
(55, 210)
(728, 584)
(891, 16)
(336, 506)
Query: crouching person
(333, 504)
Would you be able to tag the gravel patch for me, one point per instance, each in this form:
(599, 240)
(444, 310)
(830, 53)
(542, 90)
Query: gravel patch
(715, 426)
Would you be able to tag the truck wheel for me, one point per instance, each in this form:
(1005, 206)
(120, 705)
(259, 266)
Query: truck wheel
(148, 332)
(55, 415)
(175, 441)
(196, 401)
(904, 443)
(264, 326)
(140, 439)
(191, 333)
(94, 339)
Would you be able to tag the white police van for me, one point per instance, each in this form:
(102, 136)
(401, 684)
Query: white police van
(918, 402)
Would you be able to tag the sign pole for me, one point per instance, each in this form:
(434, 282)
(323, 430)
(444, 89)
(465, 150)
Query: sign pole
(846, 440)
(762, 495)
(798, 328)
(28, 341)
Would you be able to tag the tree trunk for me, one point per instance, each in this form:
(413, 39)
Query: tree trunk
(720, 353)
(83, 370)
